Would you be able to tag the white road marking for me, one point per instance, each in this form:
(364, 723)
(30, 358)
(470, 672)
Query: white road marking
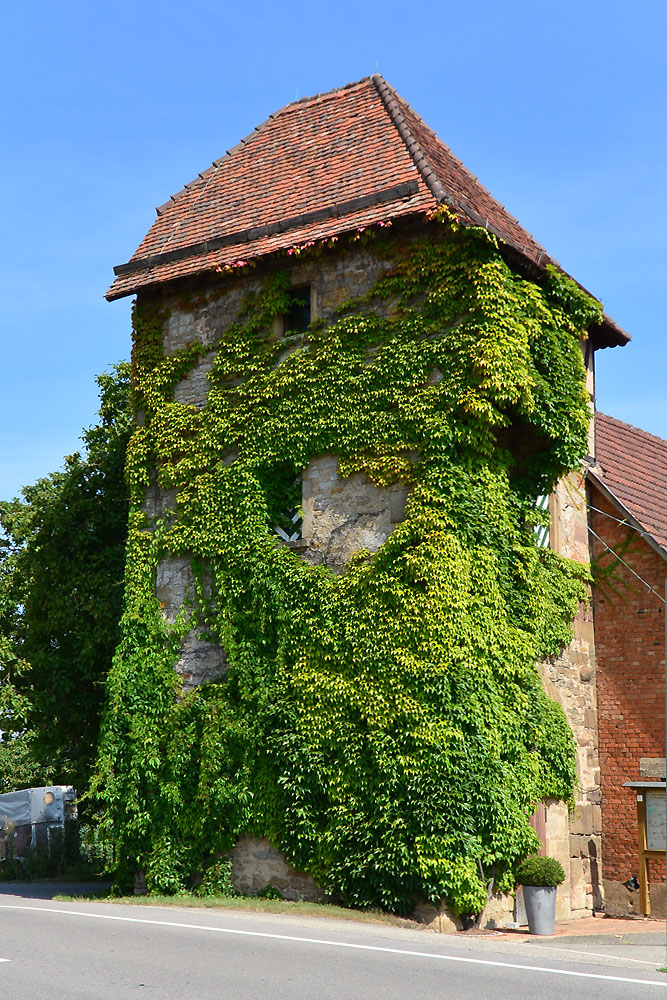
(337, 944)
(593, 954)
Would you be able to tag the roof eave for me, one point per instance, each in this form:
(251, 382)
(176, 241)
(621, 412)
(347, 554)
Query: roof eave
(606, 334)
(609, 334)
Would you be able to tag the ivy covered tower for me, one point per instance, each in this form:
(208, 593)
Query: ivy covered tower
(356, 644)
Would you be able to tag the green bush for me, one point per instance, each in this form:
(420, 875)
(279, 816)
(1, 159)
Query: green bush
(217, 880)
(537, 870)
(269, 892)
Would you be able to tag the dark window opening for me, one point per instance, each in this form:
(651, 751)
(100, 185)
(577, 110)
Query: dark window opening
(283, 489)
(297, 320)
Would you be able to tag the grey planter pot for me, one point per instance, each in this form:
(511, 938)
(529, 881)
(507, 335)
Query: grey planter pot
(540, 902)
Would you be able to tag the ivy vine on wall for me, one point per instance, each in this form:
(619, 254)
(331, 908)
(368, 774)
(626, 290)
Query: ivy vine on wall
(385, 727)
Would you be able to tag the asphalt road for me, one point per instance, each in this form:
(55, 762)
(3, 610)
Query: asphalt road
(67, 951)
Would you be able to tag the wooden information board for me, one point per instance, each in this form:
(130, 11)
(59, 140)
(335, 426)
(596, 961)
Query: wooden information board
(651, 831)
(656, 821)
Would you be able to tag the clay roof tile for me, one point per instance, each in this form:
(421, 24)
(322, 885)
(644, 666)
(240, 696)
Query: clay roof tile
(633, 466)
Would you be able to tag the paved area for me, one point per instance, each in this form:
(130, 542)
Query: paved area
(630, 941)
(95, 951)
(642, 943)
(587, 926)
(607, 956)
(50, 888)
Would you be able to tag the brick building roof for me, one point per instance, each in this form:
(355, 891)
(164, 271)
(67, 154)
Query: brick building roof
(316, 168)
(633, 468)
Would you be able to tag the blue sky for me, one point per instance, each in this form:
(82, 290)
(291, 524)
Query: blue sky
(110, 108)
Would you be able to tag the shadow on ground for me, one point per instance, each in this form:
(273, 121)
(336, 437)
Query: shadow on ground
(47, 890)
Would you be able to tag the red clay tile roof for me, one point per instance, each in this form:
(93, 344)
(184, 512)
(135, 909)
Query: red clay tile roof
(317, 168)
(634, 469)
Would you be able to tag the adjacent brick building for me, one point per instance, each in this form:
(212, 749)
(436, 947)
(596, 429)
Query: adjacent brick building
(628, 514)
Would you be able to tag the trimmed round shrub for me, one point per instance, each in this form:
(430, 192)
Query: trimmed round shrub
(537, 870)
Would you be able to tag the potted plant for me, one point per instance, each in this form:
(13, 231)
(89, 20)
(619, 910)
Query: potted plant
(539, 877)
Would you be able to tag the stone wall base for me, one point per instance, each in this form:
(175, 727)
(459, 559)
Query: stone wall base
(619, 901)
(440, 920)
(499, 912)
(256, 864)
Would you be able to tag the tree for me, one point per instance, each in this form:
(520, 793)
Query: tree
(61, 573)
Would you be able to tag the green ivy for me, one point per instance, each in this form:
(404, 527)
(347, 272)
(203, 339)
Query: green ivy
(385, 727)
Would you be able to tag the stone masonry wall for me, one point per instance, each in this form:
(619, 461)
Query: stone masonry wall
(570, 680)
(575, 840)
(201, 660)
(630, 636)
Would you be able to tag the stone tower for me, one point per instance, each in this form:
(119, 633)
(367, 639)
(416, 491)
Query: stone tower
(302, 194)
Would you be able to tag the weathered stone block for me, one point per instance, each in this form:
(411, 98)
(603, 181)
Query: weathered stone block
(652, 767)
(201, 660)
(193, 389)
(158, 501)
(579, 884)
(577, 843)
(619, 901)
(596, 816)
(582, 821)
(557, 820)
(499, 912)
(257, 863)
(343, 516)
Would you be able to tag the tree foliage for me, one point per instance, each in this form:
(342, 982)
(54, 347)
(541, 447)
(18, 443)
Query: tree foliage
(61, 572)
(386, 727)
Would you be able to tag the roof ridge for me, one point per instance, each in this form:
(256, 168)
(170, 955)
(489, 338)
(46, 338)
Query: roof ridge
(389, 98)
(322, 94)
(393, 102)
(216, 164)
(459, 162)
(631, 427)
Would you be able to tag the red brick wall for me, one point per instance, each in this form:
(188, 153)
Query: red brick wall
(630, 653)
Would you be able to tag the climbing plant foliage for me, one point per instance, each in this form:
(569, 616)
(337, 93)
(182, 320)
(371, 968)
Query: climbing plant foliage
(385, 726)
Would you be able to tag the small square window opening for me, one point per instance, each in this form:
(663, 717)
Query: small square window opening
(297, 320)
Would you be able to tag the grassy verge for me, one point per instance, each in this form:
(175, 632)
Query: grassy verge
(250, 904)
